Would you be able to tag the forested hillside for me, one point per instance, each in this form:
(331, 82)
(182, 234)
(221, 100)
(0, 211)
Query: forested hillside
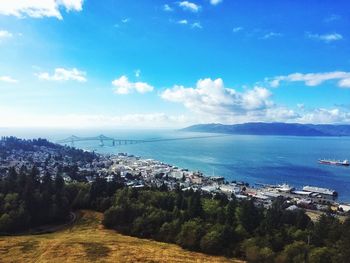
(233, 228)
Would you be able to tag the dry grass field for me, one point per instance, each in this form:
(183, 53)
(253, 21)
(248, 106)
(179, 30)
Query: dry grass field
(88, 241)
(315, 215)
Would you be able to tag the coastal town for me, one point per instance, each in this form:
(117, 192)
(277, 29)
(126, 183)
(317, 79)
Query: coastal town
(136, 172)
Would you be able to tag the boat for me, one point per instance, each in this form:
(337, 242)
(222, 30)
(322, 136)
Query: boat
(334, 162)
(284, 188)
(320, 190)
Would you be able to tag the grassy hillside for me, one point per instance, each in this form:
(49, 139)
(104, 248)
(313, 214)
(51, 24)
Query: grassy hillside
(88, 241)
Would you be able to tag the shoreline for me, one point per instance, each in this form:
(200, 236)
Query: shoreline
(198, 181)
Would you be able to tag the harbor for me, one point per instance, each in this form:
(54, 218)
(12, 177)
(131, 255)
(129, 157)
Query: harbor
(139, 173)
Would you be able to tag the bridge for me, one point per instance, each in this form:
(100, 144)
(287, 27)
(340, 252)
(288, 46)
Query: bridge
(101, 138)
(115, 141)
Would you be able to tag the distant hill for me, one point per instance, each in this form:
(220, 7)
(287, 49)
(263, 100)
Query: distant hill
(276, 128)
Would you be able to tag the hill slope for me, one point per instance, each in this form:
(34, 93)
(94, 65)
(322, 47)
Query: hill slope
(88, 241)
(260, 128)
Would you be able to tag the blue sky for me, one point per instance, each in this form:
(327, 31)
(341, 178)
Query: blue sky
(74, 63)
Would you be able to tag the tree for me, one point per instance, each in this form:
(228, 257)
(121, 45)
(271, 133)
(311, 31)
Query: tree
(230, 212)
(326, 231)
(212, 242)
(195, 208)
(248, 215)
(114, 216)
(344, 242)
(274, 215)
(321, 255)
(59, 183)
(296, 252)
(191, 234)
(5, 223)
(149, 223)
(254, 254)
(168, 231)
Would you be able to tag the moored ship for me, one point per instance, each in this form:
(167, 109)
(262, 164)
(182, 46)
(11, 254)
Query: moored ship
(284, 188)
(334, 162)
(320, 190)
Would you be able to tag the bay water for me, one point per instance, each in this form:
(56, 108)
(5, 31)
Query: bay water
(248, 158)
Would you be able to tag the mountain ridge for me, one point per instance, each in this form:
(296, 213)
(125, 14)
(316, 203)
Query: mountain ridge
(273, 128)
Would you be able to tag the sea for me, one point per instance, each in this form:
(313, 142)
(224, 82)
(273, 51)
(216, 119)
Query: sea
(249, 158)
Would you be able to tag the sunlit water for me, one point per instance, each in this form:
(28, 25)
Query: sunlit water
(253, 159)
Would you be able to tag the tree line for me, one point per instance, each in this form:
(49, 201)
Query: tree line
(219, 226)
(28, 200)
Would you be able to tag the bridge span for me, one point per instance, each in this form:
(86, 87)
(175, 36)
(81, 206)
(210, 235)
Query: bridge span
(115, 141)
(101, 138)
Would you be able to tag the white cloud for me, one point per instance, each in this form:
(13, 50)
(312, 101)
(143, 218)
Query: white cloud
(5, 34)
(326, 37)
(39, 8)
(197, 25)
(344, 83)
(125, 20)
(167, 8)
(8, 79)
(301, 106)
(194, 25)
(137, 73)
(71, 5)
(325, 116)
(182, 22)
(237, 29)
(124, 86)
(212, 102)
(62, 74)
(211, 97)
(215, 2)
(314, 79)
(281, 114)
(332, 18)
(271, 35)
(11, 117)
(186, 5)
(256, 99)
